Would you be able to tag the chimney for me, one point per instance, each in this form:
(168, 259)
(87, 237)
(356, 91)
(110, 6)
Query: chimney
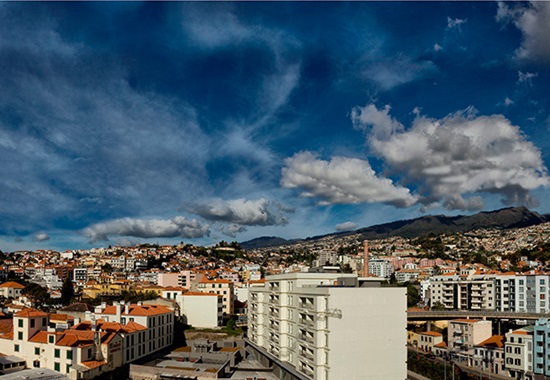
(366, 258)
(118, 309)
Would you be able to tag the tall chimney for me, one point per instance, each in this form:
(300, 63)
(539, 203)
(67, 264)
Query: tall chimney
(366, 258)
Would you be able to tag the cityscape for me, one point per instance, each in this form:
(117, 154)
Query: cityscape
(275, 190)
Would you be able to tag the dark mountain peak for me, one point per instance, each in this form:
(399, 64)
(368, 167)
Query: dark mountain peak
(506, 218)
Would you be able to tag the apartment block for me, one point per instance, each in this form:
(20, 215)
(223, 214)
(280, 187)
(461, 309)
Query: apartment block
(329, 326)
(221, 287)
(541, 352)
(464, 334)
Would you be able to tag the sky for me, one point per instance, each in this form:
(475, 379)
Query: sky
(127, 122)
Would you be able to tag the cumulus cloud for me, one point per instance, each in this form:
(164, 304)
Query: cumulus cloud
(346, 226)
(178, 226)
(232, 229)
(460, 154)
(41, 236)
(259, 212)
(533, 20)
(341, 181)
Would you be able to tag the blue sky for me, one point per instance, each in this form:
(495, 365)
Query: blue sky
(128, 122)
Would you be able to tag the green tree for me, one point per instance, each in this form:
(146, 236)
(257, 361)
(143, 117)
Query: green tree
(67, 291)
(37, 294)
(413, 297)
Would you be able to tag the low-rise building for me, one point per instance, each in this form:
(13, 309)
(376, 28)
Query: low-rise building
(428, 340)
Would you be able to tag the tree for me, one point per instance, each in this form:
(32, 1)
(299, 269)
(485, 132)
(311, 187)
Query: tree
(412, 295)
(67, 291)
(37, 294)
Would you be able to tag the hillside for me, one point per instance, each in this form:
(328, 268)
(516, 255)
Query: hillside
(512, 217)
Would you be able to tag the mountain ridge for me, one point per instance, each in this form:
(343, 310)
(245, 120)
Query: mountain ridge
(505, 218)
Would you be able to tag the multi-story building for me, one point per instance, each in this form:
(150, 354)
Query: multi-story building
(329, 326)
(78, 354)
(380, 268)
(464, 334)
(541, 351)
(11, 289)
(221, 287)
(489, 354)
(519, 353)
(203, 310)
(456, 292)
(428, 340)
(181, 279)
(159, 320)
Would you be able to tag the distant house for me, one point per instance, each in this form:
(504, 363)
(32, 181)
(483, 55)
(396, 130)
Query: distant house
(11, 289)
(427, 340)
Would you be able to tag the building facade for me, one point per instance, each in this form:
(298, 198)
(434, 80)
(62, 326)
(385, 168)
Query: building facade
(328, 327)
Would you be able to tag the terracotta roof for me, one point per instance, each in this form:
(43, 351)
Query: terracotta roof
(28, 313)
(496, 341)
(93, 363)
(441, 344)
(201, 294)
(12, 284)
(39, 337)
(430, 333)
(462, 320)
(61, 317)
(141, 310)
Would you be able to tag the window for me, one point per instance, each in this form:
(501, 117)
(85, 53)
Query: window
(36, 364)
(37, 350)
(123, 320)
(69, 354)
(20, 323)
(20, 335)
(56, 367)
(68, 368)
(32, 323)
(56, 353)
(44, 322)
(16, 348)
(51, 339)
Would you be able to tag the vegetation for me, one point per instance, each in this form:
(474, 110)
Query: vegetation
(67, 292)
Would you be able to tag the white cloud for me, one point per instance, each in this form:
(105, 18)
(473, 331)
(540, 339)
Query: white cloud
(437, 47)
(259, 212)
(346, 226)
(526, 77)
(533, 20)
(178, 226)
(41, 236)
(341, 181)
(453, 23)
(508, 102)
(389, 72)
(460, 154)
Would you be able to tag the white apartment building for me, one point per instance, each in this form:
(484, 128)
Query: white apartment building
(327, 327)
(519, 353)
(380, 268)
(459, 293)
(504, 292)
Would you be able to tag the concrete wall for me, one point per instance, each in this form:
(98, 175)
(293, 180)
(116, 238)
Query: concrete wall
(369, 340)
